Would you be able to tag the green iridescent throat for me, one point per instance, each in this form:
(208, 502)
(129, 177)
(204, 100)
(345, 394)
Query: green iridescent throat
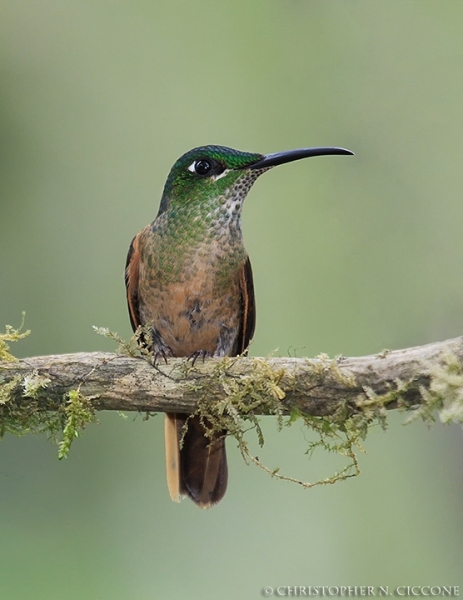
(204, 227)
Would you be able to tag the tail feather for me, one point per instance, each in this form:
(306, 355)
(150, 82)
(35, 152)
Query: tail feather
(203, 465)
(199, 469)
(171, 428)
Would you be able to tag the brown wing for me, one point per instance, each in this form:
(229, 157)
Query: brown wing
(132, 267)
(248, 308)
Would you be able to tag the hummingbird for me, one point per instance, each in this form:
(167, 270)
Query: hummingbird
(189, 280)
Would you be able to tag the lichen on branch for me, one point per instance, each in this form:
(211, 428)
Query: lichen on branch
(21, 403)
(11, 335)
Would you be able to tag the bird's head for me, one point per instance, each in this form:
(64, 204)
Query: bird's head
(212, 176)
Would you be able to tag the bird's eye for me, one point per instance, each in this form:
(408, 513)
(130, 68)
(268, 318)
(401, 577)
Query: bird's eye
(207, 167)
(202, 167)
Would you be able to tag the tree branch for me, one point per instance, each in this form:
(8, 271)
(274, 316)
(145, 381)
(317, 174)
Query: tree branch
(316, 386)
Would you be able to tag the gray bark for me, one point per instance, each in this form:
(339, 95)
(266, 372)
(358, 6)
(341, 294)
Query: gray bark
(316, 386)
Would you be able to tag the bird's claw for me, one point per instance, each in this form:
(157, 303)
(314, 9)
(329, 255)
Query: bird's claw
(162, 354)
(199, 354)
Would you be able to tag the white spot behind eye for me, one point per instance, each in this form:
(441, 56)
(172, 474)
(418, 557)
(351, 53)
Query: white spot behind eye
(220, 175)
(192, 168)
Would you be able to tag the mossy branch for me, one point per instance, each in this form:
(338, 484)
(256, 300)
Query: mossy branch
(318, 387)
(338, 399)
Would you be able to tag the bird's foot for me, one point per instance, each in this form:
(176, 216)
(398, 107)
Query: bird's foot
(162, 354)
(199, 354)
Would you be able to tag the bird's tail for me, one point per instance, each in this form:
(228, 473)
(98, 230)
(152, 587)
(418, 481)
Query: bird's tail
(199, 469)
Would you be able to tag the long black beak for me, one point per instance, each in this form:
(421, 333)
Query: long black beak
(279, 158)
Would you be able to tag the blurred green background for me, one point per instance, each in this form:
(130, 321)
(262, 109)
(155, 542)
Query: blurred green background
(350, 255)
